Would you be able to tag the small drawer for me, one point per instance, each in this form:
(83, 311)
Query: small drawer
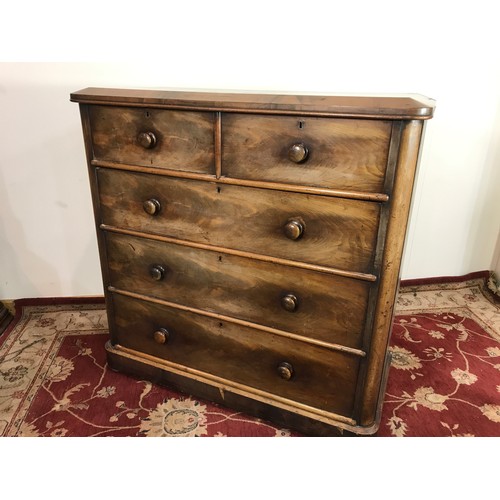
(321, 230)
(311, 304)
(342, 154)
(177, 140)
(294, 370)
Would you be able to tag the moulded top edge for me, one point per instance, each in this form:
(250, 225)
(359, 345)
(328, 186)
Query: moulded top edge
(402, 106)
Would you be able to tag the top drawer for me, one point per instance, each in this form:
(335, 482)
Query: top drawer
(341, 154)
(177, 140)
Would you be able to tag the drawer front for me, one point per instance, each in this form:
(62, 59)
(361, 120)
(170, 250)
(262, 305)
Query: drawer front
(178, 140)
(330, 153)
(311, 304)
(320, 378)
(336, 232)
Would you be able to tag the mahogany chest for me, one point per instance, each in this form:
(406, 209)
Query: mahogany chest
(251, 244)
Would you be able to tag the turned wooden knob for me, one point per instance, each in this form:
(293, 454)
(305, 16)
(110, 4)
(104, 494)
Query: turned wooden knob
(152, 206)
(298, 153)
(147, 140)
(285, 370)
(157, 272)
(293, 229)
(289, 302)
(161, 336)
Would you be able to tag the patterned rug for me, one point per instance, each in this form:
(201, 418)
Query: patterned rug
(444, 378)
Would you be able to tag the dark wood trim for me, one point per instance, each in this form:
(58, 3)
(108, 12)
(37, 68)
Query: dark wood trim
(445, 279)
(57, 301)
(392, 160)
(389, 274)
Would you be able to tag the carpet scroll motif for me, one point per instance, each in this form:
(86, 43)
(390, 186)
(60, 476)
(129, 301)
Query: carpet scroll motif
(444, 378)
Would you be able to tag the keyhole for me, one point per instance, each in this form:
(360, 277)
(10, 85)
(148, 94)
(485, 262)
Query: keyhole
(218, 189)
(301, 124)
(147, 114)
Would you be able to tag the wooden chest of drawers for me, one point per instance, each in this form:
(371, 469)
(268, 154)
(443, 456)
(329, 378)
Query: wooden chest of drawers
(251, 244)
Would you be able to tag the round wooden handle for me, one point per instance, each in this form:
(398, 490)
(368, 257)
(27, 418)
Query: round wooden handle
(147, 140)
(289, 302)
(298, 153)
(285, 370)
(157, 272)
(294, 229)
(161, 336)
(152, 206)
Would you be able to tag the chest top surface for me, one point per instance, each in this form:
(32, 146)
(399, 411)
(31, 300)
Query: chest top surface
(406, 106)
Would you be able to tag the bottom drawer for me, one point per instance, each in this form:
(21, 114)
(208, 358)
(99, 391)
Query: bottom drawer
(319, 377)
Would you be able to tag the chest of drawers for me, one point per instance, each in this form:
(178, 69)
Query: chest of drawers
(251, 244)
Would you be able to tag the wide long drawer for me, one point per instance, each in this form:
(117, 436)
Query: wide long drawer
(308, 303)
(168, 139)
(319, 230)
(286, 368)
(330, 153)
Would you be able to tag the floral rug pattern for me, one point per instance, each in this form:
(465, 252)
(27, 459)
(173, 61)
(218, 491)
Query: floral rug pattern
(445, 370)
(54, 381)
(444, 378)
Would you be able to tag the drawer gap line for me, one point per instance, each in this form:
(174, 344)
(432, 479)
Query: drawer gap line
(276, 186)
(240, 253)
(248, 324)
(235, 387)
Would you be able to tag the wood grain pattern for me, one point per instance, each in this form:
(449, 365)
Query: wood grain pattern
(402, 107)
(338, 233)
(258, 403)
(277, 186)
(184, 140)
(342, 154)
(330, 308)
(323, 379)
(389, 281)
(208, 293)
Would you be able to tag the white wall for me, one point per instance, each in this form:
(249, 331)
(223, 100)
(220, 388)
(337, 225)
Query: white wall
(47, 240)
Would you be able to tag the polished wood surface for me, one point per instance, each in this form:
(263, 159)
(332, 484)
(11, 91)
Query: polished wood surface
(331, 153)
(154, 138)
(251, 244)
(336, 232)
(390, 272)
(385, 106)
(315, 305)
(322, 378)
